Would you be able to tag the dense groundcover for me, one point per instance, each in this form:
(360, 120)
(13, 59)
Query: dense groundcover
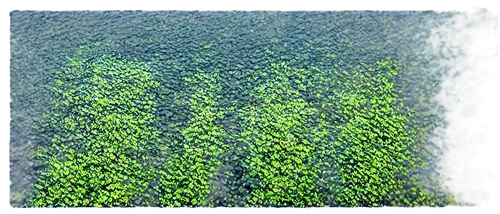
(282, 109)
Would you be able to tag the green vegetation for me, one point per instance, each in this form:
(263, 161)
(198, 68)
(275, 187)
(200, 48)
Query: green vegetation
(353, 150)
(372, 145)
(277, 134)
(203, 109)
(193, 158)
(101, 125)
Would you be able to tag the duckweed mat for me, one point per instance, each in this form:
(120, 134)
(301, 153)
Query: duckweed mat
(231, 109)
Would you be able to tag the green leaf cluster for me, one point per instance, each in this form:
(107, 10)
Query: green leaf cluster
(101, 119)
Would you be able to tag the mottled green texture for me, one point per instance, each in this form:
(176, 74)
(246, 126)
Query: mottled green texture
(224, 109)
(277, 134)
(193, 157)
(101, 123)
(372, 145)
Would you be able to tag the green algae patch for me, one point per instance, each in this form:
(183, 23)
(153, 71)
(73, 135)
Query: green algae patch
(98, 131)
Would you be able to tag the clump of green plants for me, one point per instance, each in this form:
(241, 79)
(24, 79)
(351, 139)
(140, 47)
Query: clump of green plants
(193, 158)
(239, 109)
(304, 137)
(99, 126)
(372, 144)
(277, 132)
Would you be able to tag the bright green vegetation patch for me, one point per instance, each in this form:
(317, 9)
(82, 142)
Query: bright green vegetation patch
(277, 132)
(192, 159)
(346, 145)
(96, 135)
(373, 144)
(233, 109)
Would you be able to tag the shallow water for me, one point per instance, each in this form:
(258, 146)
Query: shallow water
(238, 47)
